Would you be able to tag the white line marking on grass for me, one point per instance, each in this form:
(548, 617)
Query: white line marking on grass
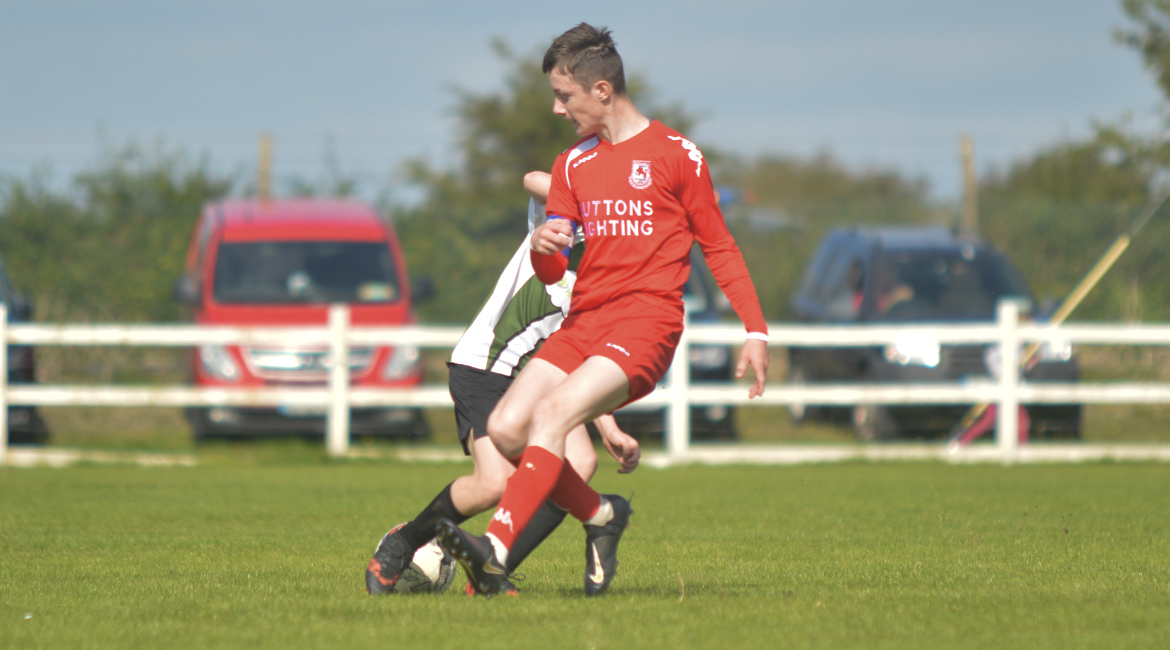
(64, 457)
(795, 455)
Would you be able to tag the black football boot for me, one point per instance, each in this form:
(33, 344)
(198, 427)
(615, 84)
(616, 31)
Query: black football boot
(601, 543)
(390, 559)
(477, 557)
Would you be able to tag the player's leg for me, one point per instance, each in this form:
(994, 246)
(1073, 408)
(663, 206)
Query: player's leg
(598, 386)
(509, 421)
(475, 392)
(481, 490)
(582, 458)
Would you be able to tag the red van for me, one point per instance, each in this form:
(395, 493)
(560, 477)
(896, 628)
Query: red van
(284, 263)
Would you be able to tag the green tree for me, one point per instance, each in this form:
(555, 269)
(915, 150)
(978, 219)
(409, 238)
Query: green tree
(109, 249)
(1149, 34)
(1056, 213)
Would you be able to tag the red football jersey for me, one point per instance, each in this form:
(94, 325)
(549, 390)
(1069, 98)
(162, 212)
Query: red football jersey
(642, 204)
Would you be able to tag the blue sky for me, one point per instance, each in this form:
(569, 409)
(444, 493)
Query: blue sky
(883, 84)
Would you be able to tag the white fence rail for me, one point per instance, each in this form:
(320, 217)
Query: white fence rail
(677, 396)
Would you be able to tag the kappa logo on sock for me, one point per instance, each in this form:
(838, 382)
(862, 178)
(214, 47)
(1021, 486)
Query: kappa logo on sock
(504, 517)
(530, 465)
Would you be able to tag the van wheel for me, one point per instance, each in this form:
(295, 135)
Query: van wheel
(200, 428)
(872, 423)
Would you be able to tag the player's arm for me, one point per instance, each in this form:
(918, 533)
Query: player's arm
(550, 266)
(537, 184)
(727, 265)
(552, 242)
(621, 445)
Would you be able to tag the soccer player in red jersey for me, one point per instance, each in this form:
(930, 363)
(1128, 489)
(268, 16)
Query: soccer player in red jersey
(642, 194)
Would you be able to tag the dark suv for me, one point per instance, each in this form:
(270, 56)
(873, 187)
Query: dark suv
(24, 422)
(902, 275)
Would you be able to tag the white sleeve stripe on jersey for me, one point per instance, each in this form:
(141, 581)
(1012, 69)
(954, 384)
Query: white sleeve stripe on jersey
(577, 151)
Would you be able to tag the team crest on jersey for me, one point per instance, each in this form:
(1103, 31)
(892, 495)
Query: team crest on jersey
(640, 176)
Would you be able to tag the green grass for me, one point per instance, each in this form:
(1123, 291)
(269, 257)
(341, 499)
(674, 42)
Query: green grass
(263, 552)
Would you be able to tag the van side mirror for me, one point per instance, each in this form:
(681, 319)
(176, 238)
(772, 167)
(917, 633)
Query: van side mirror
(187, 291)
(422, 290)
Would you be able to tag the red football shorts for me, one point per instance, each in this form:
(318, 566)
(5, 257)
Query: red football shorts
(638, 332)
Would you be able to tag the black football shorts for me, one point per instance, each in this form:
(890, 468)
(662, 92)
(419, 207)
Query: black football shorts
(475, 393)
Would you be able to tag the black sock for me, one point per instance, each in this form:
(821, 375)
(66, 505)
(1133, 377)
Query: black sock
(421, 529)
(543, 523)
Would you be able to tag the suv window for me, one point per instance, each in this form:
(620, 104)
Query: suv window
(946, 284)
(813, 278)
(842, 290)
(292, 272)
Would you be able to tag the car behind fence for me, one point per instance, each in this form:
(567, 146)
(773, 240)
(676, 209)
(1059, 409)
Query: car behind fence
(678, 394)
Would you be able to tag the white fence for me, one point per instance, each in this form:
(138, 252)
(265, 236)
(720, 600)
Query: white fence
(678, 395)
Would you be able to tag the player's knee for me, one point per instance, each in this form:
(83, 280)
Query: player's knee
(506, 429)
(547, 413)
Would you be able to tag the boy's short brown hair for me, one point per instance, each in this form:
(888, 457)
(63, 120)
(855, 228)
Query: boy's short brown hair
(588, 55)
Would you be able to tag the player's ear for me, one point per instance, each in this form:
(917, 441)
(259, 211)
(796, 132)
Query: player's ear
(603, 91)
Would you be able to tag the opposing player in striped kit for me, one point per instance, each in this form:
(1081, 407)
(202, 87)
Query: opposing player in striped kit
(516, 319)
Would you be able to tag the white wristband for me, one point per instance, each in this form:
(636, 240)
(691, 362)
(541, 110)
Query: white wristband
(759, 336)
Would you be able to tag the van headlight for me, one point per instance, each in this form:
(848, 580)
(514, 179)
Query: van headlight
(219, 363)
(403, 361)
(913, 351)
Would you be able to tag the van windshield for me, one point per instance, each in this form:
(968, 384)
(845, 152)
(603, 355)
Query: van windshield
(283, 272)
(943, 284)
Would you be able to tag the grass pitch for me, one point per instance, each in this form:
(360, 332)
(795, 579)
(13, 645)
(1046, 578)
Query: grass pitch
(271, 554)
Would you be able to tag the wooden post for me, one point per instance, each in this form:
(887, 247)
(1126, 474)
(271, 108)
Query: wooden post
(970, 224)
(264, 168)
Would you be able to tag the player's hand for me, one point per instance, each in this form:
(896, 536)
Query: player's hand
(553, 236)
(621, 445)
(754, 354)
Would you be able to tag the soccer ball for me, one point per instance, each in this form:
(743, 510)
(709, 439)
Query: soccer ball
(431, 570)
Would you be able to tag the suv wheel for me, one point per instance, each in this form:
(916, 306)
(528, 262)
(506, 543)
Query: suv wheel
(872, 423)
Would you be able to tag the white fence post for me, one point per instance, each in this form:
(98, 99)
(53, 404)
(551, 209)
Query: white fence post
(337, 422)
(3, 384)
(1008, 404)
(678, 418)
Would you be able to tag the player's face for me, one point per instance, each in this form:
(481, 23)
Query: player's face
(584, 108)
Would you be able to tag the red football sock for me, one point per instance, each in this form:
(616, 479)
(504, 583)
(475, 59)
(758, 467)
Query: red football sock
(572, 493)
(528, 487)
